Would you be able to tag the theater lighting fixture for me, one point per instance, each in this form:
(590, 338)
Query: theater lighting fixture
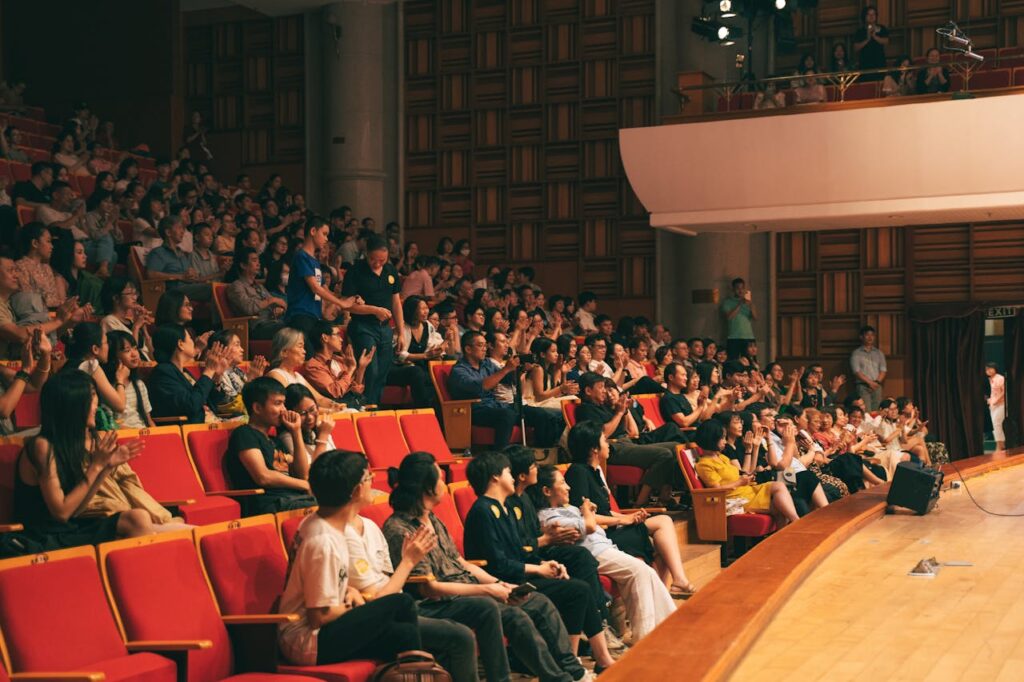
(714, 31)
(780, 4)
(725, 9)
(958, 41)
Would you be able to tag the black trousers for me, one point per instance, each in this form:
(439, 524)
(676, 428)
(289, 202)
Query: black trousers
(501, 419)
(418, 381)
(574, 602)
(480, 615)
(380, 630)
(657, 459)
(538, 639)
(453, 645)
(305, 324)
(581, 565)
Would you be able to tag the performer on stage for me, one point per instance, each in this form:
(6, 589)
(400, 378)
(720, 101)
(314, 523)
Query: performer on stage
(997, 403)
(374, 281)
(306, 292)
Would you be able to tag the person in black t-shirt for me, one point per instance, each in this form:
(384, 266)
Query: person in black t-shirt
(657, 459)
(36, 190)
(376, 281)
(869, 42)
(253, 461)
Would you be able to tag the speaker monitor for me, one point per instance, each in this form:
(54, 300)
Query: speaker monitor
(915, 488)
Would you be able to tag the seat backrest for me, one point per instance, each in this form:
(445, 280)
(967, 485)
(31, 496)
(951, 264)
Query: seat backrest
(569, 411)
(464, 499)
(27, 413)
(381, 436)
(164, 467)
(220, 299)
(245, 562)
(9, 450)
(208, 445)
(446, 512)
(344, 434)
(41, 638)
(26, 214)
(439, 373)
(687, 459)
(423, 433)
(159, 591)
(650, 368)
(288, 524)
(652, 407)
(378, 513)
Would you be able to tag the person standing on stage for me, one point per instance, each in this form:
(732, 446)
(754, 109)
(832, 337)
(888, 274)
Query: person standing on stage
(306, 290)
(997, 403)
(869, 369)
(375, 281)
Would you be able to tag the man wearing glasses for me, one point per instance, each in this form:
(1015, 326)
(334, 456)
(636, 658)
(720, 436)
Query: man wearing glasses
(475, 378)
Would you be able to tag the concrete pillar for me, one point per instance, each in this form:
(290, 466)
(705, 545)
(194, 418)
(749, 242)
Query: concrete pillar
(358, 64)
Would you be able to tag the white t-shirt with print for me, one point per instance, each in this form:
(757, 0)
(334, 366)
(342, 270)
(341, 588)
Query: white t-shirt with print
(369, 566)
(318, 577)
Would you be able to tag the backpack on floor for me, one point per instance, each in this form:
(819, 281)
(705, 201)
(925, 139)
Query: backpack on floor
(411, 666)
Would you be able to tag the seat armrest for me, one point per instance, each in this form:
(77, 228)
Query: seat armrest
(477, 562)
(173, 419)
(709, 514)
(169, 645)
(457, 417)
(176, 503)
(261, 619)
(58, 677)
(419, 579)
(651, 510)
(11, 527)
(246, 492)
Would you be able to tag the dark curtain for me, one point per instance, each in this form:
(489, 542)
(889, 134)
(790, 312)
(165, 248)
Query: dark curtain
(1013, 340)
(949, 376)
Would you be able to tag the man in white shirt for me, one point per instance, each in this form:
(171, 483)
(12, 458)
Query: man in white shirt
(586, 312)
(60, 214)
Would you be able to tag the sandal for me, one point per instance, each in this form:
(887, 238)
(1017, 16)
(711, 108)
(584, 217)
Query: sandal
(682, 591)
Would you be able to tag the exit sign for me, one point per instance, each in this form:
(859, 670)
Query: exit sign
(1002, 311)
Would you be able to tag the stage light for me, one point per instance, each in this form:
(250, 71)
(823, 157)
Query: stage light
(725, 9)
(780, 4)
(723, 32)
(714, 31)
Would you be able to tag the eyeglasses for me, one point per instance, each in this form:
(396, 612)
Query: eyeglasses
(312, 410)
(367, 477)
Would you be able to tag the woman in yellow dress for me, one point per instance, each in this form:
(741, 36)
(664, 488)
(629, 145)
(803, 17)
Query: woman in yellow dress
(716, 471)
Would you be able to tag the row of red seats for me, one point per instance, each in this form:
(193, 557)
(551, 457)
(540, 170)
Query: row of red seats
(183, 467)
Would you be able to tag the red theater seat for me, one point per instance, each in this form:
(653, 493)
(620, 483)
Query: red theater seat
(987, 80)
(83, 636)
(10, 448)
(207, 445)
(383, 443)
(288, 523)
(160, 592)
(423, 434)
(344, 434)
(168, 474)
(713, 525)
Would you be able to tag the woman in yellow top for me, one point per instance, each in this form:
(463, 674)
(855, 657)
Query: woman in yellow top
(716, 471)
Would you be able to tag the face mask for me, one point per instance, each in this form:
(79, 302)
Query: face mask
(284, 279)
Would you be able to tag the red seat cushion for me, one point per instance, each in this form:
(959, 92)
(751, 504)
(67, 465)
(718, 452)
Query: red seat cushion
(161, 593)
(397, 396)
(344, 436)
(423, 434)
(165, 470)
(464, 499)
(484, 435)
(143, 667)
(27, 412)
(246, 566)
(210, 510)
(688, 470)
(750, 525)
(623, 474)
(569, 410)
(8, 457)
(378, 513)
(84, 633)
(441, 372)
(382, 440)
(447, 514)
(289, 527)
(350, 671)
(208, 449)
(652, 409)
(274, 677)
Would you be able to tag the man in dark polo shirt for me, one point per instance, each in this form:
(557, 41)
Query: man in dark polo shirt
(36, 190)
(376, 281)
(674, 404)
(657, 459)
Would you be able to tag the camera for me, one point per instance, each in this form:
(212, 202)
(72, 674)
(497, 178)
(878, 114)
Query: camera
(528, 358)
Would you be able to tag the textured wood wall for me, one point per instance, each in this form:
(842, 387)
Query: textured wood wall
(247, 78)
(829, 284)
(512, 117)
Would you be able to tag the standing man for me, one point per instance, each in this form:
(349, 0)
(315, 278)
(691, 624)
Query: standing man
(306, 290)
(375, 281)
(997, 403)
(868, 364)
(739, 313)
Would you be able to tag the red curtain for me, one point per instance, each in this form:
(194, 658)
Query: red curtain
(949, 377)
(1013, 336)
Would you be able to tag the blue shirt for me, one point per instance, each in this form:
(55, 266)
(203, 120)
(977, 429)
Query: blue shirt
(166, 260)
(571, 517)
(301, 299)
(467, 383)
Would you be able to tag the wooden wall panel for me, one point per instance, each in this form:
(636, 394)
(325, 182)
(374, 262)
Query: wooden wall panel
(829, 284)
(246, 76)
(512, 118)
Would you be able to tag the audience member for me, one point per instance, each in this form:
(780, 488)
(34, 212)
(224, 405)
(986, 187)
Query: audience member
(869, 42)
(249, 298)
(933, 77)
(997, 403)
(170, 263)
(333, 370)
(100, 226)
(36, 190)
(840, 62)
(287, 356)
(70, 262)
(173, 391)
(123, 353)
(119, 298)
(869, 369)
(226, 396)
(739, 313)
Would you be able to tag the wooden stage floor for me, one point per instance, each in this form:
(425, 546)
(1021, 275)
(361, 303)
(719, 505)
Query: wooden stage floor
(859, 616)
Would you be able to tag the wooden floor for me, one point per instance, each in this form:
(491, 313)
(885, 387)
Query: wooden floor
(859, 616)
